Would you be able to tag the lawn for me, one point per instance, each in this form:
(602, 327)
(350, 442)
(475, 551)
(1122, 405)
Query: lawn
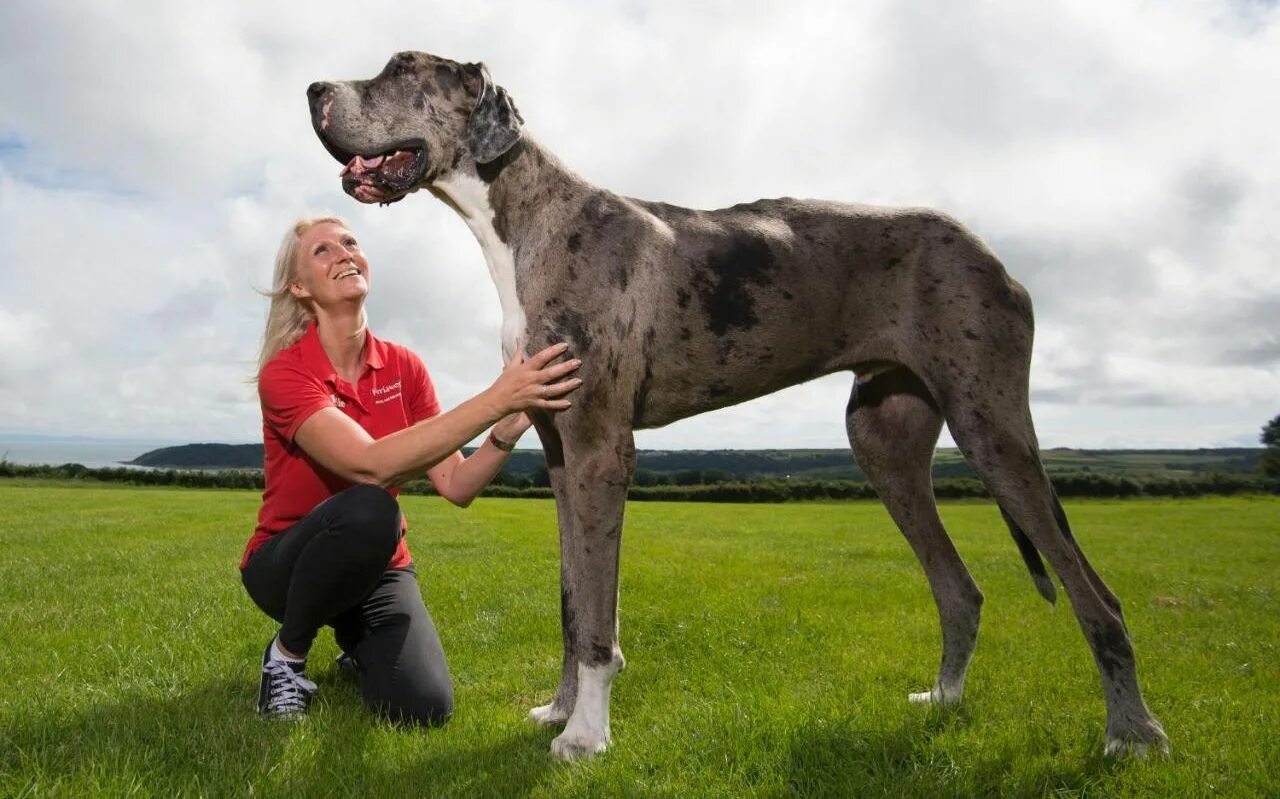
(770, 650)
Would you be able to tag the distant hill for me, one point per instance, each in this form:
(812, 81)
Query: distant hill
(710, 466)
(202, 456)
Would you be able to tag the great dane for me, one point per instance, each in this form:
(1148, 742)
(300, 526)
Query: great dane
(676, 311)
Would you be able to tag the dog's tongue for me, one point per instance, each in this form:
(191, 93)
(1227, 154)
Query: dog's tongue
(359, 164)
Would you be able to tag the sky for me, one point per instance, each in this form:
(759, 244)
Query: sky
(1121, 157)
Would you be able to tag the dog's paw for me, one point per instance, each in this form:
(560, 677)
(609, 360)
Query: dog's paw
(549, 714)
(572, 744)
(937, 695)
(1137, 741)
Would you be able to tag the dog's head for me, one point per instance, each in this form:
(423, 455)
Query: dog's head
(419, 120)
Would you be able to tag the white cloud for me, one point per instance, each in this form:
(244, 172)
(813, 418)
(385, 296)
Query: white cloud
(1119, 156)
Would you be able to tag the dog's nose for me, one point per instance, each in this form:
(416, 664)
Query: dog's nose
(316, 90)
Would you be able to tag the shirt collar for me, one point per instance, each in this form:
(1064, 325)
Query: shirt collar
(317, 360)
(375, 351)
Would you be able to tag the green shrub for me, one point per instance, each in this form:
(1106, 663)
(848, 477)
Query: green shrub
(722, 489)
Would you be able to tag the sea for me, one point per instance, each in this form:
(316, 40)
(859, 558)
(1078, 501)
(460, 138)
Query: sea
(96, 453)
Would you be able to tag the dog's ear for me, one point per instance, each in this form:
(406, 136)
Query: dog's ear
(495, 123)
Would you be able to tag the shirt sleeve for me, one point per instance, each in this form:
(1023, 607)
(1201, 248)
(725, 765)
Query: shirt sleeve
(422, 394)
(289, 397)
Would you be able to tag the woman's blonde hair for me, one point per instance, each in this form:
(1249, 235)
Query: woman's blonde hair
(288, 317)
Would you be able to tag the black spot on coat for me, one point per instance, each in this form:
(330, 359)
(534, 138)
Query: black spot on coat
(447, 78)
(567, 617)
(601, 654)
(641, 397)
(568, 325)
(740, 261)
(1112, 648)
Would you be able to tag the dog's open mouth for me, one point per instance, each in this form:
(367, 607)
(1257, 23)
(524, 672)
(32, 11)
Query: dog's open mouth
(385, 177)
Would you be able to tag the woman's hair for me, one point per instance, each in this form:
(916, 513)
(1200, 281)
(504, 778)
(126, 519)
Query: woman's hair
(288, 316)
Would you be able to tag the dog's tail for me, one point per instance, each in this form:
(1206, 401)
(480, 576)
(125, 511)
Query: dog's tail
(1031, 556)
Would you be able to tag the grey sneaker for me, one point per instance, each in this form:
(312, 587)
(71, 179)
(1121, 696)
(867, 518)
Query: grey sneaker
(347, 665)
(285, 692)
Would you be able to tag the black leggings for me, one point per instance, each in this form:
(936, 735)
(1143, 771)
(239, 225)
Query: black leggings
(331, 568)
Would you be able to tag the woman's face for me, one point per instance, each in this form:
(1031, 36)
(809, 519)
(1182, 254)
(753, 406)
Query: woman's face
(330, 270)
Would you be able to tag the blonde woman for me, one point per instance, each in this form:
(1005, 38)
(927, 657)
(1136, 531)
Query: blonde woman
(346, 417)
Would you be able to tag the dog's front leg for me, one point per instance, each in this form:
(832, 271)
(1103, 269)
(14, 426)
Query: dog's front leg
(557, 712)
(598, 470)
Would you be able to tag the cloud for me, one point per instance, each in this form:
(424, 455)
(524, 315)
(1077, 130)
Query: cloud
(1116, 155)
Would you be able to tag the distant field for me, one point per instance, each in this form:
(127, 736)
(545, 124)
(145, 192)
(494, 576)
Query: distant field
(770, 650)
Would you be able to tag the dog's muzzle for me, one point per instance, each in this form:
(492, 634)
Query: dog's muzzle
(371, 175)
(384, 178)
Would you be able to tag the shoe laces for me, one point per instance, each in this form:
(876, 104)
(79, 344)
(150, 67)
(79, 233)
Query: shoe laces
(288, 691)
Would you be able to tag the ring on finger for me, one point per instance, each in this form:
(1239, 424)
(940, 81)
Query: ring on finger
(542, 392)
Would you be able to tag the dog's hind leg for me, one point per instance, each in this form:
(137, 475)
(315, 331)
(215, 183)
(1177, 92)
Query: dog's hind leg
(893, 425)
(1103, 590)
(999, 442)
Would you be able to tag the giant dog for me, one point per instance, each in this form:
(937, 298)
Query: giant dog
(676, 311)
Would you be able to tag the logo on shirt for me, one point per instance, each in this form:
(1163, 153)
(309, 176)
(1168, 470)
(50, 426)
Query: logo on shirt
(383, 394)
(337, 401)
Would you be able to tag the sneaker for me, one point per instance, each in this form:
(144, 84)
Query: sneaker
(347, 665)
(285, 691)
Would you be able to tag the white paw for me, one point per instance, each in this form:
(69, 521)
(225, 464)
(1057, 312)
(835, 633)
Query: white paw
(1138, 750)
(587, 732)
(548, 714)
(574, 744)
(937, 695)
(1137, 739)
(1119, 747)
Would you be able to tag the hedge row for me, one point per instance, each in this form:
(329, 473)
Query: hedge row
(1070, 484)
(230, 478)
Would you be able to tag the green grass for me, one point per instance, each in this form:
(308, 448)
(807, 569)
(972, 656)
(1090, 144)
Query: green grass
(770, 652)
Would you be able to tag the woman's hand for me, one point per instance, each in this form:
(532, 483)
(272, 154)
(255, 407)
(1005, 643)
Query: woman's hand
(528, 383)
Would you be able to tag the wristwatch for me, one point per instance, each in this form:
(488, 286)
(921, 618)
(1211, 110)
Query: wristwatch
(505, 446)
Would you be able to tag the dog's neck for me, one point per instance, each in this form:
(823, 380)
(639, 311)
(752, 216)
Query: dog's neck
(522, 190)
(509, 204)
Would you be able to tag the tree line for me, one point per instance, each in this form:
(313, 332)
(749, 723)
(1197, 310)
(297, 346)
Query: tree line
(720, 485)
(1067, 484)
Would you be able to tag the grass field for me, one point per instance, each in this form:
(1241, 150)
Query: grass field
(770, 651)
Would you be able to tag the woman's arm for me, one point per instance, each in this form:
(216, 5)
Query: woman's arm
(343, 447)
(460, 480)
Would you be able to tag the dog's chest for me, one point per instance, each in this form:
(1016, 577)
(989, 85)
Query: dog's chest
(471, 196)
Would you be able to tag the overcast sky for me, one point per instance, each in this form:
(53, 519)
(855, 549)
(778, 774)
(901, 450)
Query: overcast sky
(1121, 157)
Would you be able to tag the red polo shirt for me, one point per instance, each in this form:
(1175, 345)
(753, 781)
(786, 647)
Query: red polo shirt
(393, 392)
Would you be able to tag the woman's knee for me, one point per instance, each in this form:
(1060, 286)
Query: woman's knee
(406, 675)
(370, 512)
(429, 707)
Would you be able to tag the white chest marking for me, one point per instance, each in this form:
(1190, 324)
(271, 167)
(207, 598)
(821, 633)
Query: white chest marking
(471, 196)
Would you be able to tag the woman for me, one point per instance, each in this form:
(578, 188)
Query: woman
(347, 416)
